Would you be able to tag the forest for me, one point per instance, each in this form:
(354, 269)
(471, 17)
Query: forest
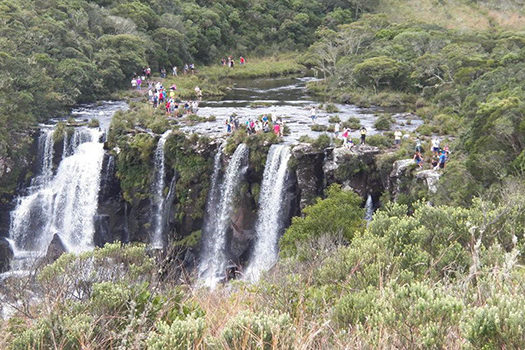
(439, 270)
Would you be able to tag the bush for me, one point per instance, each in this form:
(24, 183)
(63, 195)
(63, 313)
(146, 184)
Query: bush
(384, 122)
(250, 330)
(334, 119)
(339, 214)
(352, 123)
(497, 325)
(181, 334)
(331, 108)
(322, 142)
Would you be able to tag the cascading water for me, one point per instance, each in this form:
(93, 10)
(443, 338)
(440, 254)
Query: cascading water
(158, 192)
(64, 205)
(45, 154)
(212, 268)
(369, 208)
(269, 224)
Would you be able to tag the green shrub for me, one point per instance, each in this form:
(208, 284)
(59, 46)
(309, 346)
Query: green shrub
(352, 123)
(384, 122)
(339, 213)
(379, 140)
(249, 330)
(185, 333)
(334, 119)
(498, 324)
(94, 123)
(322, 142)
(331, 108)
(318, 127)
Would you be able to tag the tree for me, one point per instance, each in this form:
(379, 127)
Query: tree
(339, 214)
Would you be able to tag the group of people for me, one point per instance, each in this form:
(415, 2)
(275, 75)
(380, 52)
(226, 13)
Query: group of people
(230, 62)
(161, 97)
(347, 138)
(439, 155)
(263, 124)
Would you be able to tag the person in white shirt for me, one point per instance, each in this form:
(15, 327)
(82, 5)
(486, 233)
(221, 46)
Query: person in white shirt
(397, 137)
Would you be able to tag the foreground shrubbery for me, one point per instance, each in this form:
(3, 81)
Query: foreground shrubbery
(442, 277)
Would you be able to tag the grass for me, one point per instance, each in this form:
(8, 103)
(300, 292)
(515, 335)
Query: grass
(215, 80)
(457, 14)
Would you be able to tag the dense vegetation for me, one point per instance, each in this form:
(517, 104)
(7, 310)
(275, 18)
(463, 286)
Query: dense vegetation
(464, 84)
(56, 53)
(441, 270)
(443, 277)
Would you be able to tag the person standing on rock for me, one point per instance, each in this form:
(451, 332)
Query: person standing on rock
(174, 71)
(337, 128)
(418, 159)
(435, 146)
(419, 148)
(442, 160)
(313, 114)
(397, 137)
(363, 135)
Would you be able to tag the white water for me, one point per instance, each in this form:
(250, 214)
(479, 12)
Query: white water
(369, 209)
(158, 193)
(269, 224)
(212, 268)
(45, 153)
(64, 205)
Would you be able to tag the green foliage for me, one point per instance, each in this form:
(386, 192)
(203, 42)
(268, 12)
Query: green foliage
(384, 122)
(180, 334)
(249, 330)
(352, 123)
(338, 214)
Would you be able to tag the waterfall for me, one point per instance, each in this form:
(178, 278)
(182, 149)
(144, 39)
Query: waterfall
(158, 193)
(45, 153)
(269, 224)
(213, 264)
(369, 208)
(64, 205)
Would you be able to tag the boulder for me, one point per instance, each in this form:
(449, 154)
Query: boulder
(355, 168)
(430, 177)
(400, 172)
(55, 249)
(6, 254)
(309, 172)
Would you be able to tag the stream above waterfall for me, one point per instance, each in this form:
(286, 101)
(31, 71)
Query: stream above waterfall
(286, 98)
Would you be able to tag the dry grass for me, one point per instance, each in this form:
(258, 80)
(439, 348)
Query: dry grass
(458, 14)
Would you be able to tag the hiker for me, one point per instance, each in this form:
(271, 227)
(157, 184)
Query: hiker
(228, 127)
(397, 137)
(277, 129)
(194, 107)
(185, 69)
(418, 159)
(313, 114)
(163, 72)
(442, 160)
(174, 71)
(337, 127)
(150, 95)
(435, 146)
(434, 162)
(242, 60)
(192, 68)
(223, 61)
(134, 83)
(198, 92)
(363, 135)
(419, 148)
(148, 72)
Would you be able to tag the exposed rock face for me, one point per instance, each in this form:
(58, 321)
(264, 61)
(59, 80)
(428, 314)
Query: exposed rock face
(354, 168)
(6, 254)
(309, 172)
(430, 177)
(54, 250)
(399, 175)
(110, 224)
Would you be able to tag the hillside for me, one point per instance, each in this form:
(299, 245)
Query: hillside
(458, 14)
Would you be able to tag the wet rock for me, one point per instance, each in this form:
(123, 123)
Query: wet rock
(102, 234)
(55, 249)
(430, 177)
(399, 175)
(6, 254)
(354, 168)
(309, 172)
